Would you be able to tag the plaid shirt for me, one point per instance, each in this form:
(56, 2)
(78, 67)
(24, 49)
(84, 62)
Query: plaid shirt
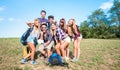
(60, 34)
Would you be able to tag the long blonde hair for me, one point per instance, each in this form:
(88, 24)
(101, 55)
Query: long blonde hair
(72, 28)
(36, 28)
(53, 32)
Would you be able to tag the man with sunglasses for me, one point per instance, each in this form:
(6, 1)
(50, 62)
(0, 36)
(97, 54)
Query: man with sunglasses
(45, 48)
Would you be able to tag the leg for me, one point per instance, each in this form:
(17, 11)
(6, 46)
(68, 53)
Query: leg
(78, 46)
(43, 52)
(75, 48)
(67, 51)
(62, 47)
(48, 52)
(57, 48)
(32, 47)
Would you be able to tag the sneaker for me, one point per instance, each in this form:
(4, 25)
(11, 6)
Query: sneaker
(23, 61)
(67, 58)
(63, 60)
(33, 62)
(74, 60)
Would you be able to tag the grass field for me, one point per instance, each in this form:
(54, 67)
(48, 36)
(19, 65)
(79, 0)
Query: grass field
(96, 54)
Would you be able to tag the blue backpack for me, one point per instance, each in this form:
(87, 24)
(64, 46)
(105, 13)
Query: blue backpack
(25, 36)
(55, 59)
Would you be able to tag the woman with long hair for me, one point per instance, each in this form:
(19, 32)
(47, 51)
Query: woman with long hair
(62, 40)
(62, 25)
(74, 33)
(32, 41)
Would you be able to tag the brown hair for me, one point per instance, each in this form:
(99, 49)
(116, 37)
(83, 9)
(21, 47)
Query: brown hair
(64, 24)
(51, 16)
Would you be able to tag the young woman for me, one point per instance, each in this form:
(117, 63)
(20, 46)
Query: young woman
(62, 40)
(74, 33)
(62, 25)
(32, 41)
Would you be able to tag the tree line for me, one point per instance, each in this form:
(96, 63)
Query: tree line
(103, 25)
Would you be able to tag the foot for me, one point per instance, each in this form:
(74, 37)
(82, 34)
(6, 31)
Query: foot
(67, 58)
(74, 60)
(77, 59)
(33, 62)
(23, 61)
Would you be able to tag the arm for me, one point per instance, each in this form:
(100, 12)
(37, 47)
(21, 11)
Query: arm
(49, 37)
(75, 28)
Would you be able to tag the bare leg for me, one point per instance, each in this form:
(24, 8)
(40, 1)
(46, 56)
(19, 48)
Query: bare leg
(48, 52)
(43, 52)
(78, 46)
(32, 47)
(68, 51)
(62, 47)
(57, 48)
(75, 48)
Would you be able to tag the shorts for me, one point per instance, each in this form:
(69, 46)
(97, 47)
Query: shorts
(67, 39)
(31, 39)
(80, 36)
(41, 47)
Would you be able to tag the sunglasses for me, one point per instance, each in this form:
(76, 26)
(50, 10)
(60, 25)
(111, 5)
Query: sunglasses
(44, 27)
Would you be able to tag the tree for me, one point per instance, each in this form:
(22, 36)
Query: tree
(115, 16)
(101, 25)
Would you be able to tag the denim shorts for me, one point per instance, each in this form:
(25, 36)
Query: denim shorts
(31, 39)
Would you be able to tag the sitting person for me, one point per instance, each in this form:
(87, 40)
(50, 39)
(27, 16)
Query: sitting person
(62, 25)
(48, 41)
(62, 40)
(32, 41)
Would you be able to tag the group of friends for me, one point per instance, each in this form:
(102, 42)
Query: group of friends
(48, 34)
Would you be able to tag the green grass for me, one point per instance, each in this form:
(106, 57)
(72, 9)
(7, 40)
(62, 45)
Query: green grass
(96, 54)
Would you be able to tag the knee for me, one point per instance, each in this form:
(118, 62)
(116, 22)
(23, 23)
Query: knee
(62, 47)
(75, 47)
(33, 50)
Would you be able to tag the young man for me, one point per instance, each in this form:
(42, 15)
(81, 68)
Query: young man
(42, 18)
(51, 20)
(48, 41)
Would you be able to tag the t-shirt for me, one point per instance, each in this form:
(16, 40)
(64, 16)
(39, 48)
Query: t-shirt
(43, 20)
(47, 37)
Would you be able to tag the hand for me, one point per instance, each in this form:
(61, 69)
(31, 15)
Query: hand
(41, 32)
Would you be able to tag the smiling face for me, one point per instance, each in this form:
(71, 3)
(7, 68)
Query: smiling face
(62, 22)
(36, 22)
(51, 20)
(53, 26)
(70, 22)
(44, 28)
(43, 14)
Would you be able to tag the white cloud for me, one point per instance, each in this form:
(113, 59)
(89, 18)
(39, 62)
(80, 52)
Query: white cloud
(106, 5)
(1, 19)
(2, 8)
(11, 19)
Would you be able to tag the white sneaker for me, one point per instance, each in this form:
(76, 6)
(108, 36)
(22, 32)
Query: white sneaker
(74, 60)
(67, 58)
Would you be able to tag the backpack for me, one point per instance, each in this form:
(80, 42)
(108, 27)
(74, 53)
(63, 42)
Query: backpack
(55, 59)
(25, 36)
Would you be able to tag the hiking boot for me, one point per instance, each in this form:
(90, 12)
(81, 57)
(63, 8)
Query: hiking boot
(23, 61)
(33, 62)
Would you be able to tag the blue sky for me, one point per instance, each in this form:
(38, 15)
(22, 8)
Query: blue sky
(15, 13)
